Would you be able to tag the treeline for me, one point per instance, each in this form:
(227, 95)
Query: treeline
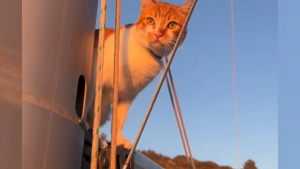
(180, 162)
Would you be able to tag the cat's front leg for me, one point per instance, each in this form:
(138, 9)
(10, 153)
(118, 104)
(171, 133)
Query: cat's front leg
(123, 108)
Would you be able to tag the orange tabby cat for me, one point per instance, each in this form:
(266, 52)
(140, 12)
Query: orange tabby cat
(142, 45)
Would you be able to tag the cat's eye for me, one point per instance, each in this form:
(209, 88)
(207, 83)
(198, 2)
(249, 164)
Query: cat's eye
(172, 25)
(150, 21)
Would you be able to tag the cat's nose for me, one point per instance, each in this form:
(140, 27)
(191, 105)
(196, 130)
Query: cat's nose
(158, 35)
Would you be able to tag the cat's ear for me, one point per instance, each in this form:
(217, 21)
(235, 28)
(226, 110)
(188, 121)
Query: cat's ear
(146, 4)
(185, 8)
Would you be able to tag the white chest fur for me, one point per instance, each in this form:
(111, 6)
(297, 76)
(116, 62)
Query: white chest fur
(137, 66)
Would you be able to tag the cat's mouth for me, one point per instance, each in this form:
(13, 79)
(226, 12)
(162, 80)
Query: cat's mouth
(156, 43)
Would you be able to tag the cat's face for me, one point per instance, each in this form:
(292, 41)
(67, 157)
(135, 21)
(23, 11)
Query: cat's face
(160, 23)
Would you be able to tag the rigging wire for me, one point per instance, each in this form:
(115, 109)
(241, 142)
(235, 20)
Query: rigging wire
(189, 154)
(98, 90)
(234, 85)
(115, 88)
(177, 120)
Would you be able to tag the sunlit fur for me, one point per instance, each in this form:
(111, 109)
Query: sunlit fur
(163, 13)
(140, 59)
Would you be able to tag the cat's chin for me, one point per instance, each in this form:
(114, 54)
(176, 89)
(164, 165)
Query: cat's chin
(160, 52)
(157, 44)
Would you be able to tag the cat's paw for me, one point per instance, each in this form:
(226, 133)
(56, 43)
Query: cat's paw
(104, 144)
(125, 143)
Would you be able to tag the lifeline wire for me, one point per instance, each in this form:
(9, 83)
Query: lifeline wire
(234, 87)
(178, 122)
(176, 116)
(180, 114)
(115, 88)
(159, 86)
(98, 90)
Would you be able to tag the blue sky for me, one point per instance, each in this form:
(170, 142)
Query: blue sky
(202, 70)
(289, 78)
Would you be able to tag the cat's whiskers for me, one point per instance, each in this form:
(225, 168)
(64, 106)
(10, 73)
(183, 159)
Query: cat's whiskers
(173, 42)
(168, 48)
(164, 50)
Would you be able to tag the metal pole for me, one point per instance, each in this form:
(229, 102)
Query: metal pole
(116, 76)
